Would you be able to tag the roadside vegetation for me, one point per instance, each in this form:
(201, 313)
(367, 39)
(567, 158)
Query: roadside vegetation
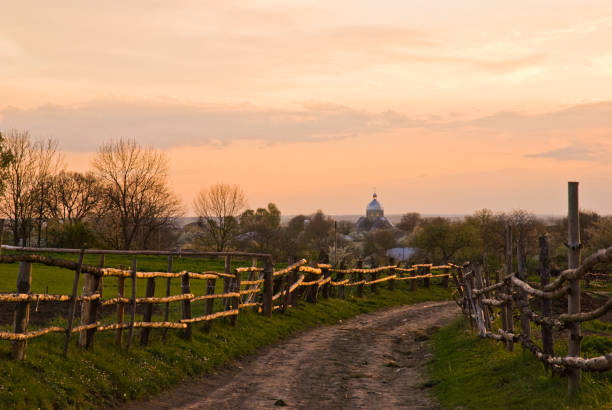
(468, 372)
(109, 375)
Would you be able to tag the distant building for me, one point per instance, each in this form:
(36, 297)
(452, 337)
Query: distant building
(374, 218)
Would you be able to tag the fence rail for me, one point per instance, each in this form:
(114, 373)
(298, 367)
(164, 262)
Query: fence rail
(263, 289)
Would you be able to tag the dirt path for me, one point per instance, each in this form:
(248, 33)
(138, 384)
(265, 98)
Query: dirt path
(373, 361)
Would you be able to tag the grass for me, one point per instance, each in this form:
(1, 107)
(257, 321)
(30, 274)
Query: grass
(107, 375)
(479, 374)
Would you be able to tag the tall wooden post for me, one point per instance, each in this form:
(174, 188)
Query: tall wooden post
(509, 319)
(227, 282)
(547, 337)
(186, 304)
(524, 301)
(22, 310)
(92, 285)
(168, 285)
(359, 279)
(120, 309)
(426, 271)
(236, 300)
(268, 286)
(391, 271)
(573, 300)
(148, 312)
(133, 312)
(325, 274)
(210, 303)
(73, 301)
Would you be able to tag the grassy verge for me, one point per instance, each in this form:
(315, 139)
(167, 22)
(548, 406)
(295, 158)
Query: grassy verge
(109, 374)
(479, 374)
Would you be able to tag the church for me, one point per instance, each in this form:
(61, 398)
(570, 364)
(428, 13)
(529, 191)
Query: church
(374, 217)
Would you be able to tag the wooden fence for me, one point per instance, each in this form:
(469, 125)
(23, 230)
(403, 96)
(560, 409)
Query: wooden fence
(260, 288)
(483, 300)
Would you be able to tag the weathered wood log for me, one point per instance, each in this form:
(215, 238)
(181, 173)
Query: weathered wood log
(426, 271)
(186, 306)
(148, 312)
(92, 285)
(75, 285)
(210, 303)
(509, 319)
(326, 287)
(268, 287)
(546, 304)
(168, 286)
(573, 297)
(478, 277)
(391, 272)
(120, 310)
(522, 301)
(133, 313)
(21, 317)
(236, 300)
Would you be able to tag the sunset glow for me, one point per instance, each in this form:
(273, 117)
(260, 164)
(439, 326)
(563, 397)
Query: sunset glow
(442, 106)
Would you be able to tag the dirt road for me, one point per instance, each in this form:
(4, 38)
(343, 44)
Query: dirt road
(373, 361)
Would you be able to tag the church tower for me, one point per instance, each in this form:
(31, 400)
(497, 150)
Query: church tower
(374, 209)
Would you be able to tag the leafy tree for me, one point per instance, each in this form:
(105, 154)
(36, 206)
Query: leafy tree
(261, 228)
(443, 239)
(409, 221)
(378, 242)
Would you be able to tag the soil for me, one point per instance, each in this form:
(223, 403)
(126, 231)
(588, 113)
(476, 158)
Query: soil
(373, 361)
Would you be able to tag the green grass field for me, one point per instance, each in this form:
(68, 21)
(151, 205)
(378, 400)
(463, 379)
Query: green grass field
(469, 372)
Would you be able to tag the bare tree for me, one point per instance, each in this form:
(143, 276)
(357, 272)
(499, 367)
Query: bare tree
(28, 172)
(218, 208)
(73, 196)
(135, 189)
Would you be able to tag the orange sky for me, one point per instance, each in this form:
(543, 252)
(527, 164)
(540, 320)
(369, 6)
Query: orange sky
(443, 106)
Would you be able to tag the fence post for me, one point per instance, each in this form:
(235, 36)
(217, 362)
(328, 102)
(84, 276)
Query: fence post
(210, 303)
(120, 309)
(133, 313)
(373, 277)
(325, 274)
(413, 282)
(186, 304)
(444, 282)
(524, 301)
(480, 284)
(340, 278)
(293, 277)
(427, 271)
(73, 301)
(509, 326)
(391, 285)
(92, 284)
(22, 310)
(227, 282)
(236, 300)
(268, 286)
(547, 337)
(148, 312)
(168, 284)
(359, 279)
(573, 299)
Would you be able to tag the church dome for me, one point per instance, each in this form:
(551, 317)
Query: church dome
(374, 205)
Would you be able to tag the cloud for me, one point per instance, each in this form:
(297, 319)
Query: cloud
(164, 124)
(574, 152)
(578, 117)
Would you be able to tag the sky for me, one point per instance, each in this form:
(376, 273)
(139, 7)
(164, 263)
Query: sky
(440, 106)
